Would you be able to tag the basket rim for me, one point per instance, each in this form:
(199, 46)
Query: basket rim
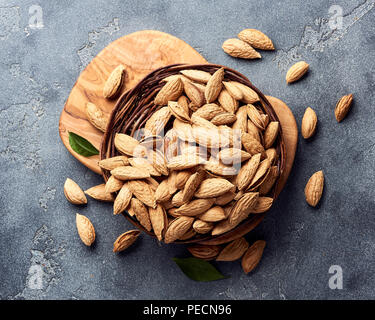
(252, 220)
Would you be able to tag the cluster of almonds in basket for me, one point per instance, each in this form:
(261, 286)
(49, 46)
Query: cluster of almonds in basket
(213, 168)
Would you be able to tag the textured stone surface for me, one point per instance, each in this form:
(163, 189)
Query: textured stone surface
(38, 68)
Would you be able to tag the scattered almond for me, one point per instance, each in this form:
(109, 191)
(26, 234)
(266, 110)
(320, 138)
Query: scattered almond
(343, 106)
(240, 49)
(96, 117)
(256, 39)
(125, 240)
(314, 188)
(296, 71)
(74, 193)
(114, 82)
(309, 122)
(85, 229)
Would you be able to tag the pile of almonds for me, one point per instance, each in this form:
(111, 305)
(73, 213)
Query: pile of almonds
(205, 161)
(209, 171)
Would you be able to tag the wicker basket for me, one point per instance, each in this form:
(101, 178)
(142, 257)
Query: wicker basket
(136, 106)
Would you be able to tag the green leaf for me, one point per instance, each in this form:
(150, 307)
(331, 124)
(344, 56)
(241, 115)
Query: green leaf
(81, 145)
(198, 270)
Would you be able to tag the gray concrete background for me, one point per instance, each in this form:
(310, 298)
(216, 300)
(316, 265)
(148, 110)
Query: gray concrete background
(38, 68)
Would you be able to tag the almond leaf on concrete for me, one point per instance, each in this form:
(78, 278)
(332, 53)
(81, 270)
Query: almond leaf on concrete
(96, 116)
(114, 82)
(143, 192)
(256, 39)
(314, 188)
(122, 200)
(343, 106)
(240, 49)
(253, 255)
(125, 240)
(169, 92)
(309, 122)
(296, 71)
(98, 193)
(214, 85)
(233, 250)
(85, 229)
(73, 192)
(114, 162)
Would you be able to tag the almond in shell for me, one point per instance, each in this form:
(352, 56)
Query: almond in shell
(202, 227)
(125, 240)
(213, 187)
(73, 192)
(228, 103)
(252, 256)
(122, 200)
(314, 188)
(169, 92)
(96, 116)
(179, 111)
(129, 146)
(296, 71)
(256, 39)
(156, 123)
(143, 192)
(343, 106)
(243, 207)
(162, 192)
(233, 90)
(195, 207)
(214, 86)
(129, 173)
(196, 75)
(233, 250)
(263, 204)
(113, 185)
(204, 252)
(195, 95)
(240, 49)
(114, 82)
(255, 117)
(309, 122)
(248, 94)
(177, 228)
(159, 221)
(114, 162)
(141, 213)
(192, 184)
(98, 193)
(224, 118)
(213, 214)
(271, 134)
(85, 229)
(247, 172)
(209, 111)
